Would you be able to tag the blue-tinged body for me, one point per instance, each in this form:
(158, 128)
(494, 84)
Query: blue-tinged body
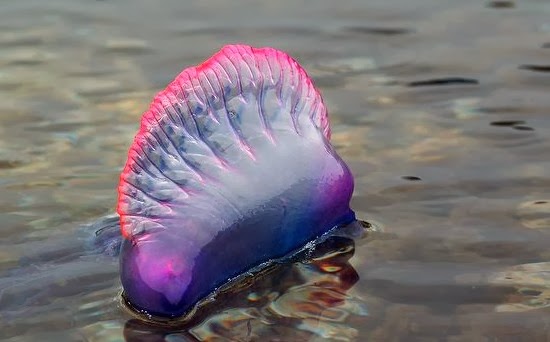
(232, 168)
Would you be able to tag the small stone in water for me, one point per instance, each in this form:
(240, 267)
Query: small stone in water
(501, 4)
(412, 178)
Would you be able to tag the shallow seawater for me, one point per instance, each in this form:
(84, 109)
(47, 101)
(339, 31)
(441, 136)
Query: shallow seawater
(441, 109)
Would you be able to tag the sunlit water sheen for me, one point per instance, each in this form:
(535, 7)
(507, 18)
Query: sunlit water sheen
(441, 109)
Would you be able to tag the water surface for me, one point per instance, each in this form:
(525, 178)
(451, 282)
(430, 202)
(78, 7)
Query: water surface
(441, 109)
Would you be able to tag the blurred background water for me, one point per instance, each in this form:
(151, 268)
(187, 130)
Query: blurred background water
(440, 107)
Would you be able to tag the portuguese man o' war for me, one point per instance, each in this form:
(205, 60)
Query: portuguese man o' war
(231, 169)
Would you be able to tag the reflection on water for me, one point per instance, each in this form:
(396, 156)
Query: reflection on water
(440, 108)
(294, 301)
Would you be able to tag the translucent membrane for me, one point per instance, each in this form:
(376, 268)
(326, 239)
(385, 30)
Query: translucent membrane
(231, 168)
